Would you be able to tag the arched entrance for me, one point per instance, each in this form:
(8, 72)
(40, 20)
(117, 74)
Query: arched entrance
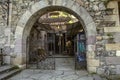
(56, 41)
(29, 18)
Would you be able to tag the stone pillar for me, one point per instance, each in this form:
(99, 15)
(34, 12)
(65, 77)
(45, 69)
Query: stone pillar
(8, 33)
(92, 63)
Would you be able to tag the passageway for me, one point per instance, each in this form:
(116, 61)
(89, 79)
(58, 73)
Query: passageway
(56, 42)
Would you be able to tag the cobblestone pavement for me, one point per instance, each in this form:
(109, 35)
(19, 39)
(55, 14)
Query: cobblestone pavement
(64, 71)
(56, 64)
(35, 74)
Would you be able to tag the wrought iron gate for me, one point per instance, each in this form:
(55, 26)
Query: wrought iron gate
(47, 61)
(40, 58)
(80, 57)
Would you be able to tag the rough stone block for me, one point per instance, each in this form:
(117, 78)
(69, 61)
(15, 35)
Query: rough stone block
(92, 69)
(93, 62)
(111, 29)
(113, 4)
(91, 40)
(7, 31)
(112, 60)
(110, 47)
(69, 3)
(117, 53)
(88, 20)
(91, 28)
(18, 32)
(96, 77)
(118, 69)
(105, 37)
(7, 59)
(18, 59)
(37, 6)
(76, 7)
(91, 48)
(2, 41)
(99, 37)
(80, 2)
(91, 54)
(117, 37)
(84, 16)
(58, 2)
(100, 70)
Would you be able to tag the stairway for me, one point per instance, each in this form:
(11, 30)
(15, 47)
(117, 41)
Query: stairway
(8, 71)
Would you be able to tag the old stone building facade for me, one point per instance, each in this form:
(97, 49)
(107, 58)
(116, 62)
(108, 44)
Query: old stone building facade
(99, 18)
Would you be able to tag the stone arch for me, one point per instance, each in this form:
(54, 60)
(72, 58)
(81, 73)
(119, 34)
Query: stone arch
(30, 16)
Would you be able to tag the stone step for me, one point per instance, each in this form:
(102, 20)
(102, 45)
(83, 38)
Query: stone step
(96, 77)
(6, 68)
(9, 74)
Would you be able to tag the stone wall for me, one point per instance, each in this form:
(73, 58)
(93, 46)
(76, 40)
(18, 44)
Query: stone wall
(3, 24)
(104, 14)
(107, 40)
(5, 28)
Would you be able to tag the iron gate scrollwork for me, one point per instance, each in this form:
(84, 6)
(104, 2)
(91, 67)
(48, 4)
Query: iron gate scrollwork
(42, 60)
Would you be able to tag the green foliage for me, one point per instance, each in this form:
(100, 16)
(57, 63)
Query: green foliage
(16, 67)
(109, 34)
(93, 73)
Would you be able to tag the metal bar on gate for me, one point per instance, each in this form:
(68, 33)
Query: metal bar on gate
(1, 56)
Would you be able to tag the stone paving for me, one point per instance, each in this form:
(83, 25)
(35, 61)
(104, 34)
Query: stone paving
(64, 63)
(65, 70)
(35, 74)
(61, 63)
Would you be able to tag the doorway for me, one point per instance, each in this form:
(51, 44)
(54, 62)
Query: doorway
(28, 19)
(57, 42)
